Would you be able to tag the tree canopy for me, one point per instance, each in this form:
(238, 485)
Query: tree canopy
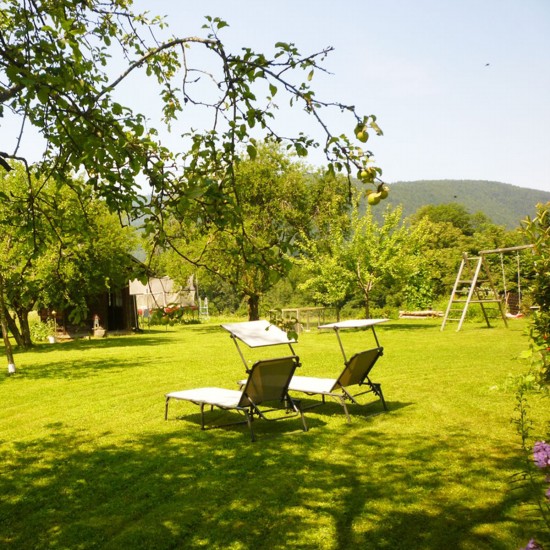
(60, 69)
(357, 259)
(453, 213)
(56, 248)
(279, 201)
(537, 231)
(63, 65)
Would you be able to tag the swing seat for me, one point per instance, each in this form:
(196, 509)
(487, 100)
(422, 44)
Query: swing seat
(515, 315)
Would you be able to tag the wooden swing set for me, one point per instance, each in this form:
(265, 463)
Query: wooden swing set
(474, 285)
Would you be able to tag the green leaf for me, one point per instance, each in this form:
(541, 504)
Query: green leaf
(272, 90)
(252, 151)
(43, 94)
(251, 118)
(376, 128)
(301, 151)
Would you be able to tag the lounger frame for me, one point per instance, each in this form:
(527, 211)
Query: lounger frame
(264, 391)
(355, 373)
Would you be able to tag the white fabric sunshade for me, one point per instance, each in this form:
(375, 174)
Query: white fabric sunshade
(256, 334)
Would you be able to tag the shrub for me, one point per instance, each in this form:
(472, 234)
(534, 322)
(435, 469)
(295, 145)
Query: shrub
(40, 330)
(537, 232)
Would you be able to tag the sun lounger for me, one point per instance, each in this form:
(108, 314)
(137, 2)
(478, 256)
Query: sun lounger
(356, 373)
(265, 391)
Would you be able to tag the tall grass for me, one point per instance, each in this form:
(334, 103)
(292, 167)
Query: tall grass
(88, 461)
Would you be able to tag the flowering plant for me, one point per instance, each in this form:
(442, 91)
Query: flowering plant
(541, 458)
(541, 455)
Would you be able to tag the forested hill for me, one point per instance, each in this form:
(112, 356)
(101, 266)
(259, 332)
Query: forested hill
(504, 204)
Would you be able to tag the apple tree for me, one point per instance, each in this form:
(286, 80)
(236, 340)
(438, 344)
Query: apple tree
(366, 257)
(279, 201)
(56, 248)
(66, 67)
(61, 74)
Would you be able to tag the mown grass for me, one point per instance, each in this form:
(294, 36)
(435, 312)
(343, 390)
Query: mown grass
(88, 461)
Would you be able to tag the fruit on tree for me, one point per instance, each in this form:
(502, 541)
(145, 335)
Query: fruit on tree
(384, 191)
(373, 198)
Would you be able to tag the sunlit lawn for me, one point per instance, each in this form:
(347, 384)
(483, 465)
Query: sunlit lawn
(88, 461)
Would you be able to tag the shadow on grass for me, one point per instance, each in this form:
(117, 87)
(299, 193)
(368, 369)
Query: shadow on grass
(314, 411)
(134, 340)
(395, 325)
(75, 364)
(186, 488)
(234, 422)
(80, 369)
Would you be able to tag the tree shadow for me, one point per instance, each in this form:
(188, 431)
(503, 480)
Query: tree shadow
(78, 370)
(134, 340)
(187, 488)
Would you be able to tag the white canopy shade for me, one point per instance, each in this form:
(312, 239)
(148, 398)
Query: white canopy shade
(257, 334)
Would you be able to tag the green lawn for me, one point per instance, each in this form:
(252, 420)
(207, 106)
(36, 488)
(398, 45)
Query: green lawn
(88, 461)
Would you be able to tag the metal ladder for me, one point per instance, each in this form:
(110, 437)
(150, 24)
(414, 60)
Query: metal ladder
(468, 282)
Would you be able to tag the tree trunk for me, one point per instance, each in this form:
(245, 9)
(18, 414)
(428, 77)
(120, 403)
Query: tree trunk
(367, 303)
(23, 316)
(14, 329)
(253, 307)
(4, 325)
(365, 287)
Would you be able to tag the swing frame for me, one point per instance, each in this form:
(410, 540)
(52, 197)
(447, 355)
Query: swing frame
(473, 292)
(503, 251)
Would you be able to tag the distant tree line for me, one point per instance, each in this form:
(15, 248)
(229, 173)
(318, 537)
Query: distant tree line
(303, 243)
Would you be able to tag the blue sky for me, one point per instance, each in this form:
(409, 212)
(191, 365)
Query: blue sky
(461, 88)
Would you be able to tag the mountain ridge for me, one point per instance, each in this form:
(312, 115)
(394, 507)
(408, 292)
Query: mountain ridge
(503, 203)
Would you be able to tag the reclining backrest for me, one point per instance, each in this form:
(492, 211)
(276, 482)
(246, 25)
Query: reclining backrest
(268, 380)
(359, 367)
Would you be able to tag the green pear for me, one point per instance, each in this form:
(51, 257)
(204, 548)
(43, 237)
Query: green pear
(373, 198)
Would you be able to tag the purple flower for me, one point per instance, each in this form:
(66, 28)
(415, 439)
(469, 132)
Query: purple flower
(541, 454)
(533, 545)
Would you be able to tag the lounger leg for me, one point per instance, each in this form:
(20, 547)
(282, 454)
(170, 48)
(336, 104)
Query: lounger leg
(343, 403)
(378, 391)
(303, 419)
(249, 422)
(296, 406)
(166, 409)
(202, 416)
